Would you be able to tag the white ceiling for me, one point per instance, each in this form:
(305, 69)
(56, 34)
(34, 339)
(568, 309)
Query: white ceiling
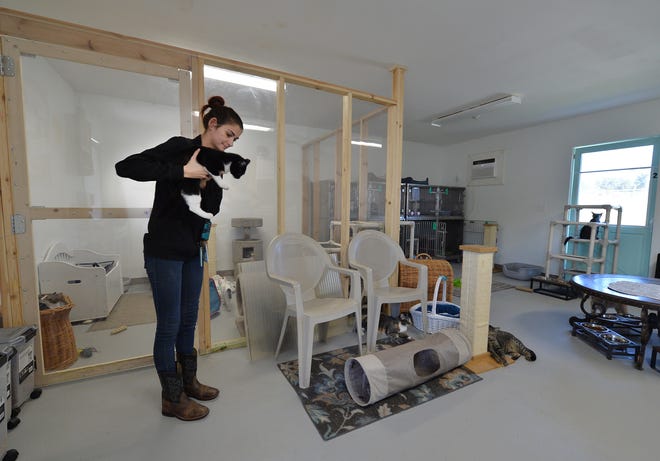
(564, 57)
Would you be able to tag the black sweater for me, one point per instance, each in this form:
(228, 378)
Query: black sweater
(174, 232)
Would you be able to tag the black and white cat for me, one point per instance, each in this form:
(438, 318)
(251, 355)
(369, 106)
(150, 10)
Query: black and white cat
(217, 163)
(585, 231)
(391, 326)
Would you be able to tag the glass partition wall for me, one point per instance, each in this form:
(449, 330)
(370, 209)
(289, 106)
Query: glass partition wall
(322, 172)
(250, 199)
(80, 119)
(369, 160)
(314, 137)
(81, 111)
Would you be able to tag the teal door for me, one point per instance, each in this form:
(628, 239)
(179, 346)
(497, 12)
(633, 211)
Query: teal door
(621, 173)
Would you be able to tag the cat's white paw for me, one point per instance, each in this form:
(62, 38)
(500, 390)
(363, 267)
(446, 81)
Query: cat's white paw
(222, 184)
(202, 213)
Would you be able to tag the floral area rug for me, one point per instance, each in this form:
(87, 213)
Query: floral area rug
(333, 411)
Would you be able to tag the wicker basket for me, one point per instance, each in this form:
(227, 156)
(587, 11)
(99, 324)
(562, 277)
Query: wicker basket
(440, 314)
(58, 340)
(436, 268)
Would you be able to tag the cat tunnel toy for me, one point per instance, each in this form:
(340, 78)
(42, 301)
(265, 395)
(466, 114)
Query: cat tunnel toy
(373, 377)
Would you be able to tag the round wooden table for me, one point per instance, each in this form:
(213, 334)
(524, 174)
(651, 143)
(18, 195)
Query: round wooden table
(597, 286)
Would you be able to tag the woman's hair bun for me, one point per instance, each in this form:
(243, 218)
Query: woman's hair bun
(215, 101)
(215, 108)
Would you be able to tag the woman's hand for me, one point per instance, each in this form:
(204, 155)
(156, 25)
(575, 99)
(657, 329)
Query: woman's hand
(193, 169)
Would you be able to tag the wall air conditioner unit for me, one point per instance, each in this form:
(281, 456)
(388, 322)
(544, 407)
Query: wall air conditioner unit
(482, 169)
(486, 168)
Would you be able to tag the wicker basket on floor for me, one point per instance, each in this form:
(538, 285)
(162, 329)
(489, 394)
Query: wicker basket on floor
(58, 340)
(437, 267)
(440, 314)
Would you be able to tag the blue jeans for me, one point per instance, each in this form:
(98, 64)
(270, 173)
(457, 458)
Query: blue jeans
(176, 286)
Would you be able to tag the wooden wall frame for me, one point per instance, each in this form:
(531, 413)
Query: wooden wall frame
(17, 286)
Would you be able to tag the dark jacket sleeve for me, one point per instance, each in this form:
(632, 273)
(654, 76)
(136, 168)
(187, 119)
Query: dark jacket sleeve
(163, 162)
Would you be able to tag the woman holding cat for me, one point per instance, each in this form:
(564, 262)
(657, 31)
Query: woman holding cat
(174, 247)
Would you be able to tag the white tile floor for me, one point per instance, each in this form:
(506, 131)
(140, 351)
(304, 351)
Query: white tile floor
(571, 404)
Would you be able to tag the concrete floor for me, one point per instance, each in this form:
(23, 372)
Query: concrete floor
(571, 404)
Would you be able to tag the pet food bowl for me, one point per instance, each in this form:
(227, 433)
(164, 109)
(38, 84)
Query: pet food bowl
(630, 317)
(594, 326)
(614, 339)
(609, 317)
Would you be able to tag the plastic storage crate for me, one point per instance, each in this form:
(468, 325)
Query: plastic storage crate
(12, 419)
(5, 406)
(23, 362)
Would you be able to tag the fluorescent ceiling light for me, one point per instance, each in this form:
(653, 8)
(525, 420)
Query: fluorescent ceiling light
(475, 110)
(239, 78)
(367, 144)
(247, 126)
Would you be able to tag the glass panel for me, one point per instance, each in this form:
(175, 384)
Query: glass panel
(254, 195)
(368, 168)
(329, 191)
(98, 264)
(617, 159)
(628, 188)
(313, 126)
(80, 120)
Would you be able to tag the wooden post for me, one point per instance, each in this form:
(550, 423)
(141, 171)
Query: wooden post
(306, 200)
(394, 162)
(336, 212)
(345, 176)
(316, 193)
(281, 158)
(476, 281)
(394, 156)
(363, 175)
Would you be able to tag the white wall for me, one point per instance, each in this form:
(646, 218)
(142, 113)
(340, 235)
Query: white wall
(537, 164)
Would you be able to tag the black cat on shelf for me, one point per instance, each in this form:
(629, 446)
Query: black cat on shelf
(585, 231)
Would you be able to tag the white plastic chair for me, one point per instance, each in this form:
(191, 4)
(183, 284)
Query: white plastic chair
(299, 264)
(376, 256)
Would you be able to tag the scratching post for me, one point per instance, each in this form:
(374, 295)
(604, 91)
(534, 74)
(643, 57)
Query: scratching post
(476, 281)
(373, 377)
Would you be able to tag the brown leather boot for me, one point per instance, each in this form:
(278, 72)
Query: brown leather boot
(192, 387)
(175, 401)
